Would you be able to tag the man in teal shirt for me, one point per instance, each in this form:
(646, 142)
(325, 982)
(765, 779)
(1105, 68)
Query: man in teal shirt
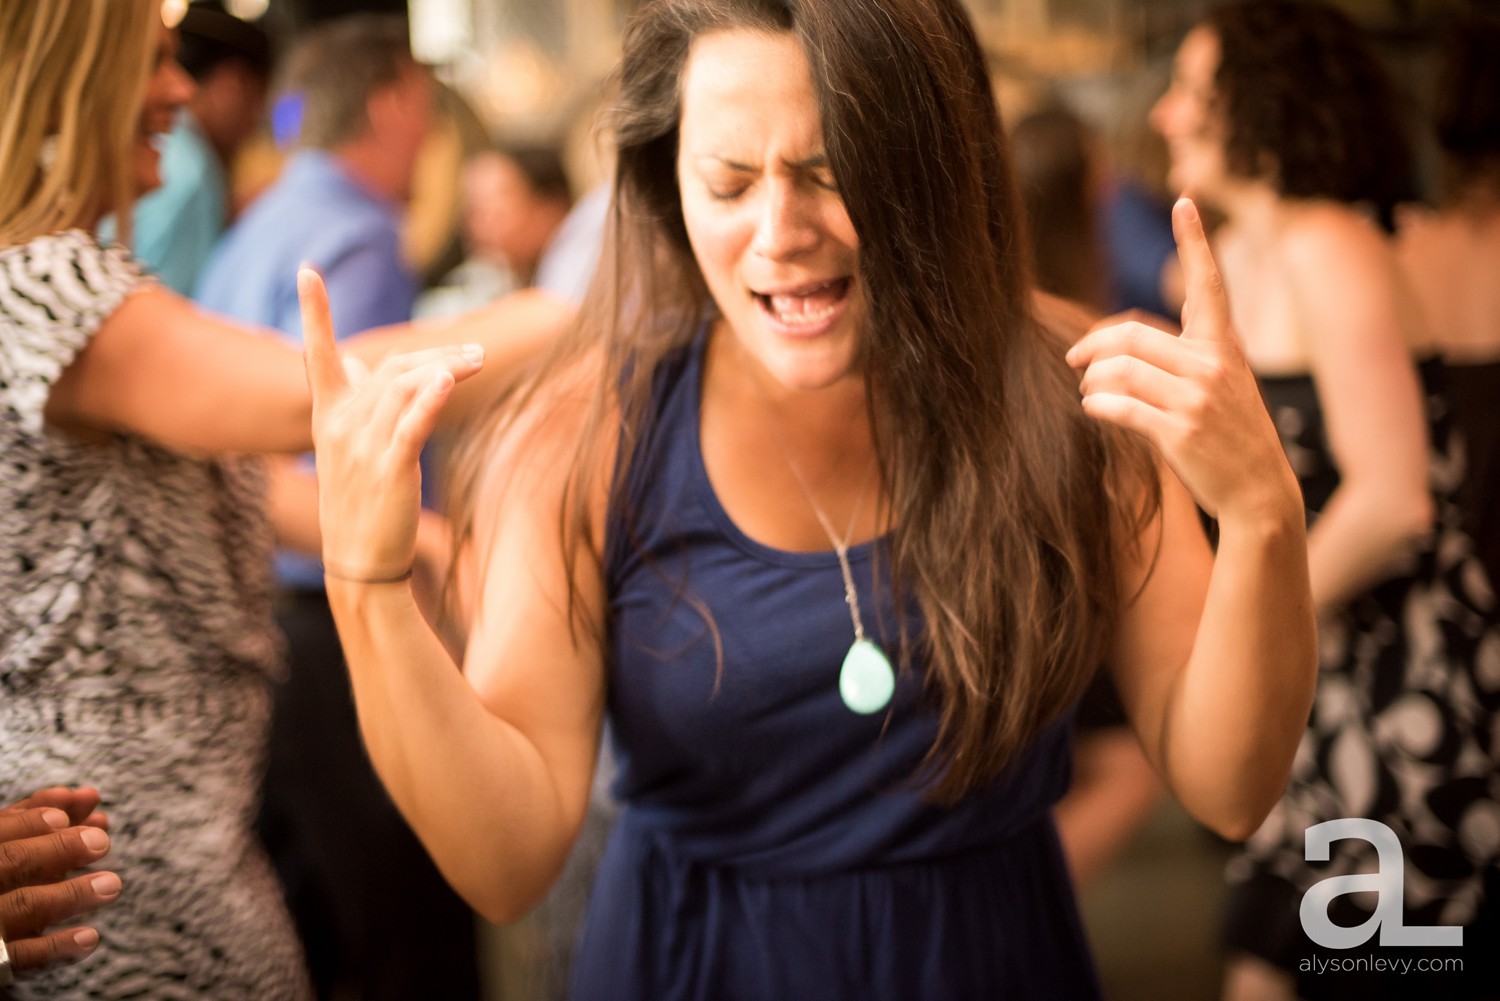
(177, 225)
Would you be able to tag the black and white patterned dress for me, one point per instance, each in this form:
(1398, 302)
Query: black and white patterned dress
(136, 655)
(1404, 729)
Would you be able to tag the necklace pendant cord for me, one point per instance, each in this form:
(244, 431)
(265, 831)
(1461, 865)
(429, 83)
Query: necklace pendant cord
(866, 679)
(851, 596)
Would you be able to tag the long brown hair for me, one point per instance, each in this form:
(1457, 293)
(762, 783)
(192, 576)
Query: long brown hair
(73, 74)
(1005, 498)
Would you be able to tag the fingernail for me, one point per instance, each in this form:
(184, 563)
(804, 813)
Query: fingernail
(55, 819)
(86, 938)
(106, 885)
(474, 352)
(94, 839)
(1188, 208)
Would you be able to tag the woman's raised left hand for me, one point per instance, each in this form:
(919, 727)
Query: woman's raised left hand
(1191, 395)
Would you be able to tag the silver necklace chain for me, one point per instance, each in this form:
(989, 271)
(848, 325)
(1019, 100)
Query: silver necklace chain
(840, 546)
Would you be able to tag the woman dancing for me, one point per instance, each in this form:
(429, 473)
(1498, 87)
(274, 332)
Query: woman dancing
(812, 505)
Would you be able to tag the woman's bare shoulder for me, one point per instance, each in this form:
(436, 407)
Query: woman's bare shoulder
(1323, 234)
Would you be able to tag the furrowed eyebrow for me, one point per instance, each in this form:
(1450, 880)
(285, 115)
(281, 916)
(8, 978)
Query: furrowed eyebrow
(817, 162)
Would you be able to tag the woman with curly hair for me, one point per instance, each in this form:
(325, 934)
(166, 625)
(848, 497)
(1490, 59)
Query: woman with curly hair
(1281, 118)
(813, 506)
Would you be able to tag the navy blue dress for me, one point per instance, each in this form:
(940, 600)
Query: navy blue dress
(775, 845)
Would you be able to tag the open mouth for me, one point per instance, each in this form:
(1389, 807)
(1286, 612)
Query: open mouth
(158, 120)
(805, 306)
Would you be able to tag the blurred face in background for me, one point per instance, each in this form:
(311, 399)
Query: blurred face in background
(166, 92)
(401, 115)
(504, 217)
(230, 104)
(1188, 121)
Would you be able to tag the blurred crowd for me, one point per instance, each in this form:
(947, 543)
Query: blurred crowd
(1355, 217)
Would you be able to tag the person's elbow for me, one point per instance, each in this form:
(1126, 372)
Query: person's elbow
(504, 891)
(1407, 516)
(1240, 824)
(1237, 817)
(502, 905)
(1415, 518)
(1399, 514)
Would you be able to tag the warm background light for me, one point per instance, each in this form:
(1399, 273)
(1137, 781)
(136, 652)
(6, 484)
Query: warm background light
(248, 10)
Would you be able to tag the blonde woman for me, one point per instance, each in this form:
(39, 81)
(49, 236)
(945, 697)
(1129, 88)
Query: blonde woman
(136, 646)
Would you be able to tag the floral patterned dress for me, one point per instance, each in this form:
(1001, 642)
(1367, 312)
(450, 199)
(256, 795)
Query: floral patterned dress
(1403, 729)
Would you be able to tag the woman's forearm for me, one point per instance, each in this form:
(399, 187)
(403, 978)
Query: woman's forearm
(1114, 791)
(476, 790)
(1363, 532)
(1242, 701)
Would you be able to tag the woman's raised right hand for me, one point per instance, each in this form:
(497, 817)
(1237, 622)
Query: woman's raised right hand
(368, 431)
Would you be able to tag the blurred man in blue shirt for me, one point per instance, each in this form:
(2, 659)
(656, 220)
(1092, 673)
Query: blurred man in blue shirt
(376, 917)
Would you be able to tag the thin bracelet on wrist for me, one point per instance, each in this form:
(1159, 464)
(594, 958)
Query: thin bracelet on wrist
(338, 574)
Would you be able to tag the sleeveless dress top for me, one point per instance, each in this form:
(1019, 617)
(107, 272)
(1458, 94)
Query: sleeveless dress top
(774, 844)
(1404, 726)
(136, 655)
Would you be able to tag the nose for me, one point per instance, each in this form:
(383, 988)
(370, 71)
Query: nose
(788, 222)
(180, 86)
(1159, 111)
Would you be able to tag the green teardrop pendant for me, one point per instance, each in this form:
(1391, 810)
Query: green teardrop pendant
(866, 681)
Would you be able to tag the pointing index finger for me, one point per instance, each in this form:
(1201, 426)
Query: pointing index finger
(325, 373)
(1205, 313)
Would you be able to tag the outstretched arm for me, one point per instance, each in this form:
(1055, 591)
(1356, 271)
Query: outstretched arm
(161, 368)
(491, 766)
(1215, 658)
